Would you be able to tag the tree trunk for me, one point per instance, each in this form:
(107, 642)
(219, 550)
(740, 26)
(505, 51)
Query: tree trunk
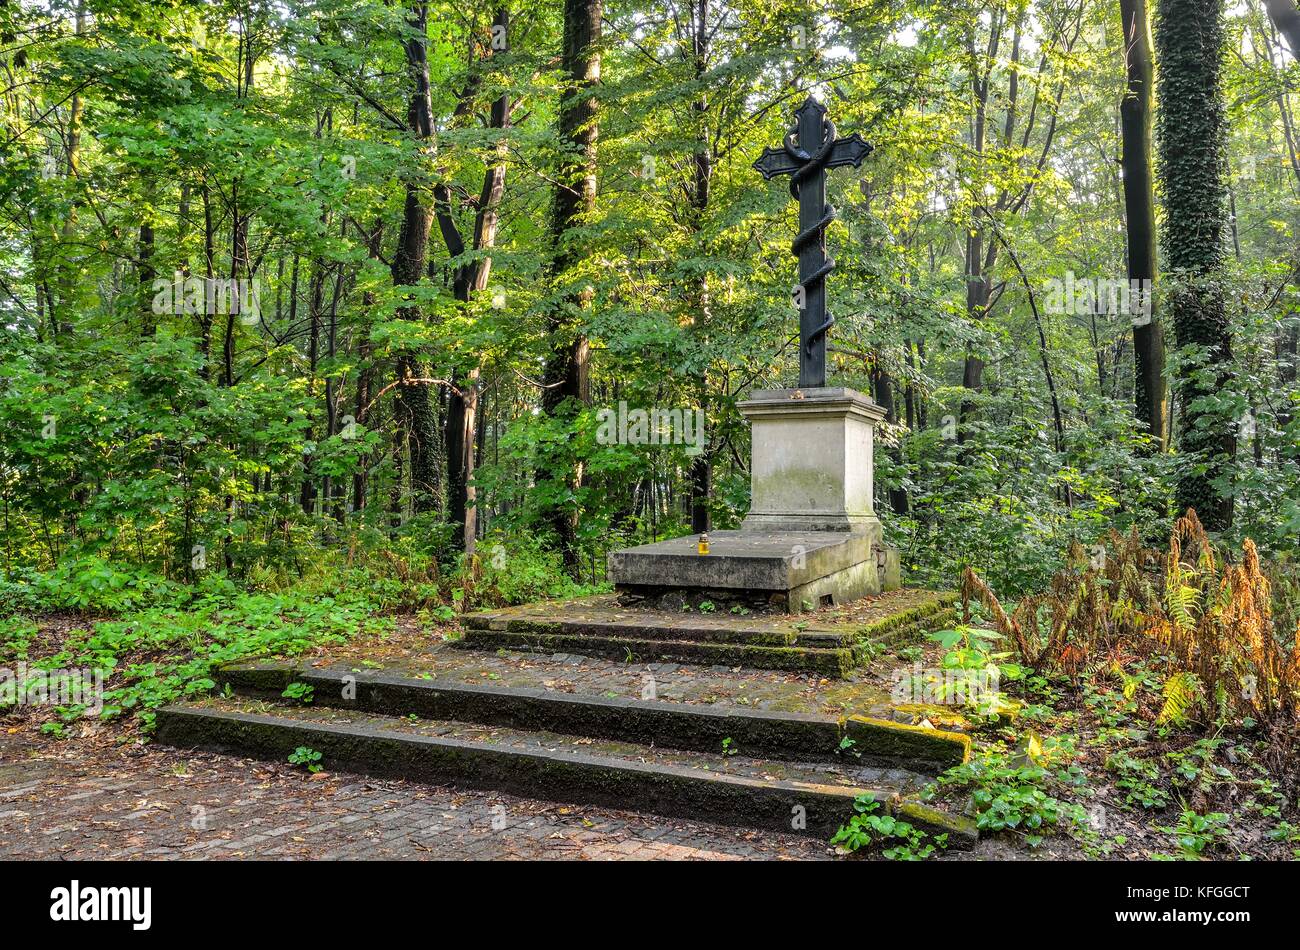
(413, 397)
(565, 377)
(365, 371)
(148, 273)
(979, 261)
(1192, 134)
(1149, 397)
(209, 258)
(462, 402)
(67, 277)
(1286, 18)
(883, 386)
(701, 477)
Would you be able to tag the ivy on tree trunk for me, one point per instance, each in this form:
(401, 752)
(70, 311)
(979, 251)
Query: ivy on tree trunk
(1193, 137)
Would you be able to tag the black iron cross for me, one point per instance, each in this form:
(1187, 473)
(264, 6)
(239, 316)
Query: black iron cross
(809, 149)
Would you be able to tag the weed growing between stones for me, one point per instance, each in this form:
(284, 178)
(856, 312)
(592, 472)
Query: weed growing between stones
(307, 757)
(302, 692)
(896, 839)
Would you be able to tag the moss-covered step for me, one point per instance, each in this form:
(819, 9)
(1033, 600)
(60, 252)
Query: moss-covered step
(798, 736)
(606, 620)
(838, 639)
(818, 660)
(727, 786)
(907, 624)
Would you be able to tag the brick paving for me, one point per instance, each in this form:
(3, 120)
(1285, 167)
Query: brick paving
(87, 798)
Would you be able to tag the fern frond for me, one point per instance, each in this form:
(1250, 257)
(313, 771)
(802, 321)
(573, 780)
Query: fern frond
(1182, 692)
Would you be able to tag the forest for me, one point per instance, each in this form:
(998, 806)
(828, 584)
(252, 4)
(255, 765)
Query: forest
(450, 246)
(317, 313)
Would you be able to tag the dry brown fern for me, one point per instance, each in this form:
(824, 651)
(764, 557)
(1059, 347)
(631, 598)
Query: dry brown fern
(1206, 618)
(973, 587)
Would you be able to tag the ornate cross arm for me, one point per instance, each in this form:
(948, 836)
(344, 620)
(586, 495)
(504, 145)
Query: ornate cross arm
(846, 151)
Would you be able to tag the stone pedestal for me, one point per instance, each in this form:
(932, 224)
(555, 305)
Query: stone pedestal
(811, 538)
(811, 466)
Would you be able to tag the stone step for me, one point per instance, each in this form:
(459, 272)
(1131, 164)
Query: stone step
(646, 625)
(685, 726)
(822, 661)
(828, 644)
(906, 626)
(730, 789)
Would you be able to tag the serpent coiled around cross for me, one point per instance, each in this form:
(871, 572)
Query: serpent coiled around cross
(807, 162)
(811, 165)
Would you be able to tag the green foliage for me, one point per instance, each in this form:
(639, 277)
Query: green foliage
(1138, 779)
(157, 655)
(303, 692)
(1011, 795)
(92, 585)
(1196, 833)
(518, 569)
(1195, 764)
(175, 444)
(16, 634)
(1182, 692)
(870, 827)
(971, 672)
(307, 757)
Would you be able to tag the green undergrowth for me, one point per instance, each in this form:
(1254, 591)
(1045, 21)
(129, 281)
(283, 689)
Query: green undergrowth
(871, 828)
(158, 639)
(401, 575)
(1022, 791)
(1104, 764)
(153, 655)
(1088, 766)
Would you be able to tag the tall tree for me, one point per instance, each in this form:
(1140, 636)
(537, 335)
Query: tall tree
(978, 261)
(1193, 133)
(701, 41)
(416, 409)
(565, 381)
(981, 247)
(470, 278)
(1286, 17)
(1149, 398)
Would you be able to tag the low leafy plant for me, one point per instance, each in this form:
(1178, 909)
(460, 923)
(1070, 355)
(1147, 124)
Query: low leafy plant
(870, 826)
(158, 655)
(1011, 794)
(90, 584)
(1138, 779)
(1195, 833)
(972, 669)
(306, 756)
(1289, 832)
(519, 569)
(1194, 766)
(16, 635)
(303, 692)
